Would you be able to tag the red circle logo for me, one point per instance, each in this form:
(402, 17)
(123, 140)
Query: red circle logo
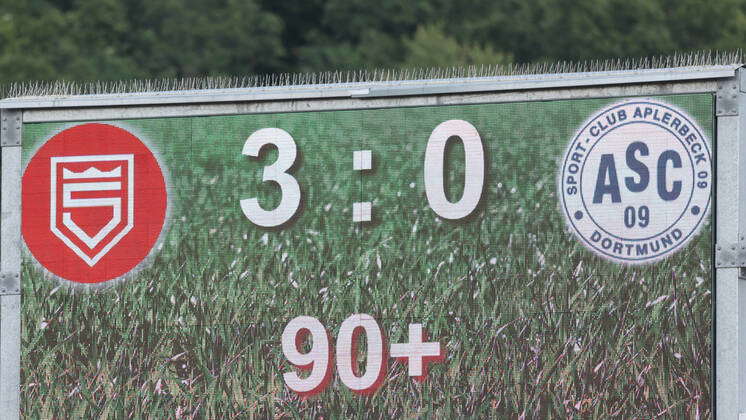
(94, 203)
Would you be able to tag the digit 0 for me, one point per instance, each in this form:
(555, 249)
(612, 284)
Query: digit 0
(347, 341)
(474, 171)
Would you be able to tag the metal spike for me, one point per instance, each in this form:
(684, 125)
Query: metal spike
(94, 87)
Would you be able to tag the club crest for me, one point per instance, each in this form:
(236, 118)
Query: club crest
(94, 203)
(92, 209)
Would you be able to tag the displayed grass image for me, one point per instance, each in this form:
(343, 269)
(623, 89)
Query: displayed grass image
(533, 324)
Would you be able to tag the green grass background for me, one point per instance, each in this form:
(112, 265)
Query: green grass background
(534, 325)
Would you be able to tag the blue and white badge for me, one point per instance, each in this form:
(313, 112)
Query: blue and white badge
(635, 181)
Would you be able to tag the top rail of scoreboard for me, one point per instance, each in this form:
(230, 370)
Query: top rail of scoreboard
(374, 94)
(398, 88)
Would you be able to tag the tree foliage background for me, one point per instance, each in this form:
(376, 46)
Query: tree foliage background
(124, 39)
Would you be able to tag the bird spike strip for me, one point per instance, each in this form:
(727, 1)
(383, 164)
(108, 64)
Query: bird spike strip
(67, 88)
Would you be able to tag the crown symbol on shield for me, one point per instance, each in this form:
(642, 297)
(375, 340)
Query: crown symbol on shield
(92, 202)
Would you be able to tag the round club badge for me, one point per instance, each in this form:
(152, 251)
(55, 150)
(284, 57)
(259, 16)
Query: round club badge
(94, 203)
(635, 181)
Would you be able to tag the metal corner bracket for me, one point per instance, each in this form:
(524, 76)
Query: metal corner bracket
(10, 284)
(726, 97)
(730, 255)
(10, 128)
(11, 121)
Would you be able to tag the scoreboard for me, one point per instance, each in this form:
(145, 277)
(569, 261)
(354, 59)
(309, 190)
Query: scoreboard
(380, 249)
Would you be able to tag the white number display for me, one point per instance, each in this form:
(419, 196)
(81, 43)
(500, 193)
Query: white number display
(347, 341)
(318, 360)
(277, 172)
(474, 170)
(417, 352)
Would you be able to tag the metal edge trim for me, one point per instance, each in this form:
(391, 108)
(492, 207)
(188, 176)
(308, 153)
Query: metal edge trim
(379, 89)
(346, 104)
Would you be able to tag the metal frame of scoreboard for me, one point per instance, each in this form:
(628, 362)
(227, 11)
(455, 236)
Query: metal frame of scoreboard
(726, 82)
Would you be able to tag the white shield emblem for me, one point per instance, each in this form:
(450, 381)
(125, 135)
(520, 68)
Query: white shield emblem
(92, 202)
